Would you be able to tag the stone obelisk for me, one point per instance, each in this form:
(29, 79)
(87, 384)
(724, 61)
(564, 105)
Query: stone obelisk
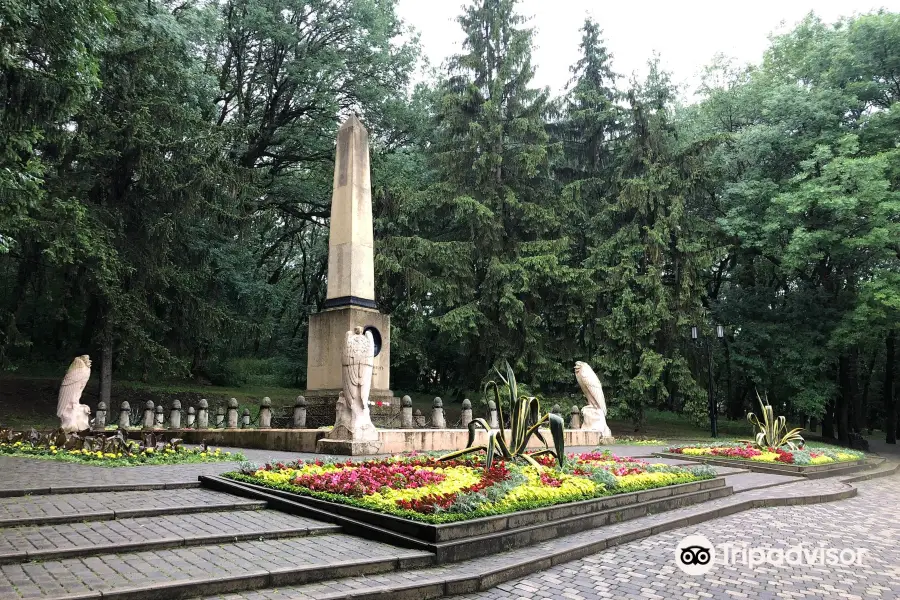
(350, 298)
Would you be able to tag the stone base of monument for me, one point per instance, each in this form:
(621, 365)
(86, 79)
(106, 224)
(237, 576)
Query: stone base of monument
(320, 408)
(392, 441)
(348, 447)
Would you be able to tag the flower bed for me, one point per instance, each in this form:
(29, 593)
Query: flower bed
(165, 455)
(424, 489)
(800, 457)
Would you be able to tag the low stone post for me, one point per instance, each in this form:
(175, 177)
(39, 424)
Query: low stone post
(220, 417)
(265, 413)
(148, 415)
(418, 419)
(203, 414)
(245, 420)
(160, 416)
(493, 421)
(575, 419)
(100, 418)
(300, 413)
(191, 417)
(437, 415)
(231, 422)
(124, 415)
(466, 413)
(175, 415)
(556, 410)
(406, 413)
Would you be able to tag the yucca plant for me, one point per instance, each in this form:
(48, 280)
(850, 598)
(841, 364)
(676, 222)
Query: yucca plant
(772, 432)
(525, 421)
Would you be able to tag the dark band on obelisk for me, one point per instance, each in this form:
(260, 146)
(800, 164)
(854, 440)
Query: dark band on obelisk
(349, 301)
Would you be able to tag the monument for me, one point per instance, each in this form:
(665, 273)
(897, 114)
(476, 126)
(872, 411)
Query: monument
(353, 431)
(73, 415)
(594, 414)
(350, 297)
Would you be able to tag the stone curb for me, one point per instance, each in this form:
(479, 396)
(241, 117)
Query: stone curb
(164, 544)
(874, 474)
(110, 515)
(86, 489)
(442, 586)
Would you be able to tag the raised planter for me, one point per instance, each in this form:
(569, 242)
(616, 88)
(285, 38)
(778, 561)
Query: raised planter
(808, 471)
(484, 536)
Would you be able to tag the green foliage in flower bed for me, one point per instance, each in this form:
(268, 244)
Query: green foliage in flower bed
(801, 456)
(130, 456)
(423, 489)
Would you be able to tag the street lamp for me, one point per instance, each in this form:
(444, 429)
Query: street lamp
(710, 390)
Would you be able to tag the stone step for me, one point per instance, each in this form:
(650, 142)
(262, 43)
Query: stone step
(104, 487)
(884, 469)
(105, 506)
(45, 542)
(478, 575)
(748, 480)
(169, 574)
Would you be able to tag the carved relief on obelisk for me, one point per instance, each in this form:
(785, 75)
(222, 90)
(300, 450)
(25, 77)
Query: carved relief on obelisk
(350, 297)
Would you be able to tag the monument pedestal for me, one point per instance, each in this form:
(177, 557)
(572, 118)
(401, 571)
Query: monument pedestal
(348, 447)
(323, 379)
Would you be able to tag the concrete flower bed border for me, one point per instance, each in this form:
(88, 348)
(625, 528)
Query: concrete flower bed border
(463, 540)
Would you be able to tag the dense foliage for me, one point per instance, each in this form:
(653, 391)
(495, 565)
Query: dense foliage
(165, 172)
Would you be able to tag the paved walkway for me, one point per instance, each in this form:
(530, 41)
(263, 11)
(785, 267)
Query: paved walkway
(77, 544)
(646, 568)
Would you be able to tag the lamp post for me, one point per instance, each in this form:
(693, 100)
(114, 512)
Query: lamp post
(710, 390)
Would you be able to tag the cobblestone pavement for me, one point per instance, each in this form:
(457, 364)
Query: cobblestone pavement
(646, 568)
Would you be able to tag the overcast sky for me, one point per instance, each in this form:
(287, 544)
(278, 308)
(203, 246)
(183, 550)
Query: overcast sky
(686, 33)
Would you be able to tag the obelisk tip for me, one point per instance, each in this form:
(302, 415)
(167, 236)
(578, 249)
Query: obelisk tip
(354, 122)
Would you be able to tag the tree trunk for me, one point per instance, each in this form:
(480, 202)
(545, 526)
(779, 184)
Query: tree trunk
(843, 398)
(887, 392)
(854, 399)
(106, 372)
(828, 420)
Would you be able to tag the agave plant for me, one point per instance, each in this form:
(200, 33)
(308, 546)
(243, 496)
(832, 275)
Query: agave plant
(772, 432)
(525, 421)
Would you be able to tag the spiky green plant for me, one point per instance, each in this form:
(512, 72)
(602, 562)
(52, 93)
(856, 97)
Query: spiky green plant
(525, 421)
(772, 432)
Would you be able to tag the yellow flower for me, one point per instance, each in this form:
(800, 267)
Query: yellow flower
(52, 448)
(696, 451)
(765, 457)
(203, 454)
(148, 451)
(53, 452)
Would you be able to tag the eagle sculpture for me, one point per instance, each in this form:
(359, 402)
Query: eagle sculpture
(593, 415)
(74, 416)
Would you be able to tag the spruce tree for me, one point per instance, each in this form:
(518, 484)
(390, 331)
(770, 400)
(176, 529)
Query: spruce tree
(496, 199)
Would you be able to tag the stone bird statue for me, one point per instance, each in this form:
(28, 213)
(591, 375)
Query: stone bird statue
(593, 415)
(73, 415)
